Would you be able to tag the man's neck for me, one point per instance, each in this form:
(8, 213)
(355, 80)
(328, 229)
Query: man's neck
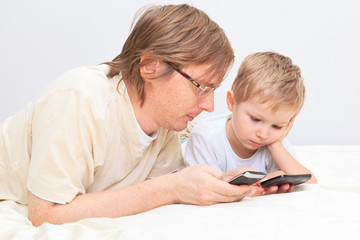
(142, 113)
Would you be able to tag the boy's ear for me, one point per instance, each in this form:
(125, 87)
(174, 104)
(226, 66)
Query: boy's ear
(230, 100)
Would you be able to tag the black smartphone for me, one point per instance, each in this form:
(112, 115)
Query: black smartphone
(247, 178)
(294, 179)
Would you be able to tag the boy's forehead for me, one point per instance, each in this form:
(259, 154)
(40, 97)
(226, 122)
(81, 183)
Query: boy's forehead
(273, 105)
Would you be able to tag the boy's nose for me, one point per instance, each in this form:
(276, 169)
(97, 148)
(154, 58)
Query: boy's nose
(262, 132)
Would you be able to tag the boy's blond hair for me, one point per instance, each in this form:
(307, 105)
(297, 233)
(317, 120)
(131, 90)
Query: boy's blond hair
(271, 78)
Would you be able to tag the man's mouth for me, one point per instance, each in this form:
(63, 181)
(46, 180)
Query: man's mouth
(190, 118)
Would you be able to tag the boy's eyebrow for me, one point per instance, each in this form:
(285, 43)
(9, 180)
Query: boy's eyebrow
(281, 123)
(256, 113)
(260, 116)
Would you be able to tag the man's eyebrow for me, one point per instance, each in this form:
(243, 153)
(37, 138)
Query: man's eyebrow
(213, 85)
(203, 82)
(206, 80)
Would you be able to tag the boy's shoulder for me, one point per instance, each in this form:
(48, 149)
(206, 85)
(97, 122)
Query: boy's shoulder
(210, 127)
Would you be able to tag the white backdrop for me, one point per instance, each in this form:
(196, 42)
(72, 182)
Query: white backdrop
(41, 39)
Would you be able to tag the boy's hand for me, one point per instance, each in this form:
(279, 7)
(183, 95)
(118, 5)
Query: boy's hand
(286, 132)
(288, 129)
(273, 174)
(285, 188)
(257, 190)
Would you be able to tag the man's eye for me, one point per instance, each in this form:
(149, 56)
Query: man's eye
(254, 119)
(276, 127)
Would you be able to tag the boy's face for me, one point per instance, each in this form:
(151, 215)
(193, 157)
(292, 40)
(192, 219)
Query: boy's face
(254, 124)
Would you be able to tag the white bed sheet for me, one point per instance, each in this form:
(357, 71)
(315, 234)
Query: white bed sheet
(329, 210)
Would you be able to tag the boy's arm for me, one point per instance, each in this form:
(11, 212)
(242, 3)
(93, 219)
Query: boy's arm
(284, 160)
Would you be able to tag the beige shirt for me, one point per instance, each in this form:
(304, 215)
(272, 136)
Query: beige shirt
(79, 136)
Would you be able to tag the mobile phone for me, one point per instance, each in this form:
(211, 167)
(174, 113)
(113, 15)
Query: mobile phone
(247, 178)
(294, 179)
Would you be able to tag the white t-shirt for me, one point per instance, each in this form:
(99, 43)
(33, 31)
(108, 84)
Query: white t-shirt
(208, 144)
(145, 140)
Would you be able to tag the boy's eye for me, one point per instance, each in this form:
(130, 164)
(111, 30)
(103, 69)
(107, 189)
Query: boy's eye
(276, 127)
(254, 119)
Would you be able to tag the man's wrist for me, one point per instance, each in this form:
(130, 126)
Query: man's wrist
(166, 184)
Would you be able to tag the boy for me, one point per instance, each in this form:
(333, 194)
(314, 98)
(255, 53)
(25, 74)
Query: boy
(267, 94)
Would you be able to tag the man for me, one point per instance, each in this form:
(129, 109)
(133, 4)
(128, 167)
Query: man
(97, 142)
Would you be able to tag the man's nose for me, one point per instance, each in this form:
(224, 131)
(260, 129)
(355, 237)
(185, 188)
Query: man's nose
(207, 102)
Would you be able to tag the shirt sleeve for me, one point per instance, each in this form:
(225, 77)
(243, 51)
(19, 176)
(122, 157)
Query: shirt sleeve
(199, 150)
(170, 158)
(67, 138)
(271, 165)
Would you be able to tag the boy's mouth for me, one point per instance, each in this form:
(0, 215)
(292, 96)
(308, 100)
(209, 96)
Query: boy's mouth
(256, 143)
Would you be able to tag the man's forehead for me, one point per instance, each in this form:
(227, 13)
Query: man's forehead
(207, 75)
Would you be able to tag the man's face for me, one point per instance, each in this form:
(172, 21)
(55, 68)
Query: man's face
(175, 100)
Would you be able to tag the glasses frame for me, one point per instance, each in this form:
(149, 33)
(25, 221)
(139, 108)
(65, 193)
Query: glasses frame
(204, 91)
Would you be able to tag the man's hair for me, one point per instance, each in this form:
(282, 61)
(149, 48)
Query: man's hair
(271, 78)
(179, 34)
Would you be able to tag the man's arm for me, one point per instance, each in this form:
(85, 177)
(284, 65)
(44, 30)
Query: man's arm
(199, 185)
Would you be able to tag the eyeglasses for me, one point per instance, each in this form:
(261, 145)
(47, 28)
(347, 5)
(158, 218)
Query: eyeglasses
(203, 91)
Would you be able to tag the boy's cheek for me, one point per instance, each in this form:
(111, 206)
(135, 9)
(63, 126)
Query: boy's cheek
(277, 138)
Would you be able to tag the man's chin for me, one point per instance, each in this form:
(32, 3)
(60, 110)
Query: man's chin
(179, 127)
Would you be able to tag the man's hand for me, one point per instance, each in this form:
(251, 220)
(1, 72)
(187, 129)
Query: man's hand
(204, 185)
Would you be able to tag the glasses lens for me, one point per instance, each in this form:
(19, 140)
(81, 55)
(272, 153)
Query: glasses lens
(206, 91)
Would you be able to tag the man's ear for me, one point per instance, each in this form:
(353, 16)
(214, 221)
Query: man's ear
(230, 100)
(150, 68)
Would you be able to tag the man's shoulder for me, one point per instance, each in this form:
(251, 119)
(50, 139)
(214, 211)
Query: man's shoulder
(85, 84)
(85, 78)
